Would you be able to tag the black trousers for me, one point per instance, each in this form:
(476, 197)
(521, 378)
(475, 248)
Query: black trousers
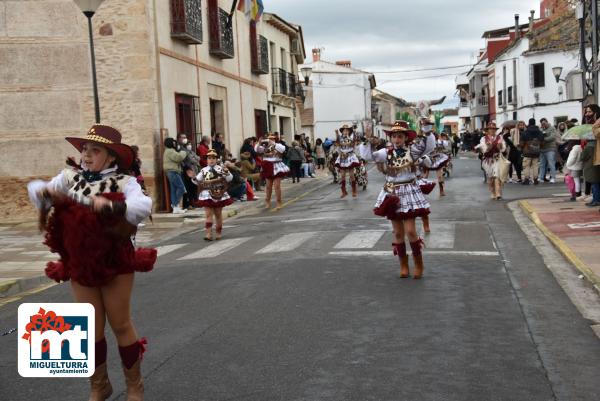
(296, 167)
(191, 191)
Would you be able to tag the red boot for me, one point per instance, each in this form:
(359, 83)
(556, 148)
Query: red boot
(354, 193)
(400, 251)
(417, 248)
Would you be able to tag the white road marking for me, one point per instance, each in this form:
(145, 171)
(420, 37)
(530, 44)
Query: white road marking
(591, 224)
(308, 219)
(426, 252)
(442, 234)
(360, 240)
(216, 249)
(287, 243)
(165, 249)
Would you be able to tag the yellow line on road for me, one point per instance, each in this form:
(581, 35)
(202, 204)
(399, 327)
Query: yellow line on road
(8, 300)
(560, 245)
(296, 199)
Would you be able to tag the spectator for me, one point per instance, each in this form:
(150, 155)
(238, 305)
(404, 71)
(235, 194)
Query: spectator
(548, 152)
(308, 165)
(248, 147)
(250, 170)
(455, 144)
(512, 138)
(531, 143)
(574, 167)
(296, 157)
(327, 145)
(203, 149)
(190, 166)
(219, 146)
(591, 171)
(320, 151)
(237, 186)
(172, 158)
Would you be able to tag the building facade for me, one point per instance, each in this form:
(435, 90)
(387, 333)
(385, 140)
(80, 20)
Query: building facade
(340, 95)
(164, 67)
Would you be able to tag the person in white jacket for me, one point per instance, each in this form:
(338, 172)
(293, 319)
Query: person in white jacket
(575, 167)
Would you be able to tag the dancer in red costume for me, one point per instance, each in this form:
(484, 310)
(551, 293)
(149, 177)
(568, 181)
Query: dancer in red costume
(401, 199)
(347, 160)
(273, 169)
(97, 206)
(213, 180)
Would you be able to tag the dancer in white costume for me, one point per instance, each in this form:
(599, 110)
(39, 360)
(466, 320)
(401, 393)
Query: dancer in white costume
(273, 169)
(401, 199)
(347, 160)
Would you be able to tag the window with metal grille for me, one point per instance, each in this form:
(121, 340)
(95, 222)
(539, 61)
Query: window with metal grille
(500, 98)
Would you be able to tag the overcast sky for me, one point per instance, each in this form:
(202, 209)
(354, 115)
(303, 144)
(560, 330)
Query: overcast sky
(384, 35)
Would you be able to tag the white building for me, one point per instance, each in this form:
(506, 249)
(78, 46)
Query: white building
(340, 95)
(525, 85)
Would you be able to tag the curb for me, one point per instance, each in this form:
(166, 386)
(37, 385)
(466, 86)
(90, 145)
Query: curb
(17, 286)
(562, 247)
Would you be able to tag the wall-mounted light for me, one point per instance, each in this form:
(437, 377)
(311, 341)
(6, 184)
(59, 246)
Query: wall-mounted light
(306, 72)
(557, 71)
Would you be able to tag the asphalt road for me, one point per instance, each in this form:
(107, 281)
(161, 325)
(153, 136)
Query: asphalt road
(306, 304)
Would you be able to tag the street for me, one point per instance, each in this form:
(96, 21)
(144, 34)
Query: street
(305, 303)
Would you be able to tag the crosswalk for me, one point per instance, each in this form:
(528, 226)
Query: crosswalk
(334, 243)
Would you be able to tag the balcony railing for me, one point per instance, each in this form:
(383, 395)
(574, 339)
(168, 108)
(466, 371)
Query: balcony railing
(285, 83)
(280, 81)
(186, 21)
(482, 101)
(221, 34)
(260, 59)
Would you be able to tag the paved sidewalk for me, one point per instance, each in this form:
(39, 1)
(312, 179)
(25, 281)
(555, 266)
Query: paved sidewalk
(573, 228)
(23, 256)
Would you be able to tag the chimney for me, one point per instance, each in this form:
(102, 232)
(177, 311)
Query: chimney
(531, 18)
(344, 63)
(316, 55)
(517, 28)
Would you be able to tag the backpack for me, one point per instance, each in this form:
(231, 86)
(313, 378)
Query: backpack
(533, 148)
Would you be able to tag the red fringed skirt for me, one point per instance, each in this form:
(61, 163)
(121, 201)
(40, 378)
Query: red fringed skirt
(90, 253)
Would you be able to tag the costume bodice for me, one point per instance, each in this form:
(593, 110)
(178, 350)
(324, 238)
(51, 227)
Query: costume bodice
(398, 161)
(79, 186)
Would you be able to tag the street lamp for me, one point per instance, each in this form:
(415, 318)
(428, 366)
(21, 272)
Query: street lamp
(557, 71)
(306, 71)
(89, 8)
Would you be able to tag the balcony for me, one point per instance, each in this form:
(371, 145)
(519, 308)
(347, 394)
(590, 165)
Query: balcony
(260, 56)
(280, 81)
(221, 34)
(292, 85)
(186, 21)
(482, 101)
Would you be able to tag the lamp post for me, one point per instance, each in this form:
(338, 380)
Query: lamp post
(306, 72)
(89, 8)
(557, 71)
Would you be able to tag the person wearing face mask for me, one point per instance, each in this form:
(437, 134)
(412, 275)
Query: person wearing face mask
(439, 159)
(96, 208)
(172, 159)
(189, 169)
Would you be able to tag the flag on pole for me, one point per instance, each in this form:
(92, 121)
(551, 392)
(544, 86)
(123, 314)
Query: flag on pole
(257, 10)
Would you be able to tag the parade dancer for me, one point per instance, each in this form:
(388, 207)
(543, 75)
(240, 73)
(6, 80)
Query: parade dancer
(97, 208)
(346, 161)
(492, 146)
(401, 199)
(439, 159)
(212, 180)
(273, 169)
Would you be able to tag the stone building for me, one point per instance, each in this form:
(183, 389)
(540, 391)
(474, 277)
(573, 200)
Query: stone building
(164, 67)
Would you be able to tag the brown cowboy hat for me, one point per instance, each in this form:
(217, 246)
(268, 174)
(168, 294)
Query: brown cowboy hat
(108, 137)
(212, 153)
(346, 126)
(402, 127)
(491, 126)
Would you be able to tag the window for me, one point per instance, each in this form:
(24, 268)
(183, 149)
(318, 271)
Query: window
(536, 75)
(283, 59)
(500, 98)
(186, 21)
(509, 93)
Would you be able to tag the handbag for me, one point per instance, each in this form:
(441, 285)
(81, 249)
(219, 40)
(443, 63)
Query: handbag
(570, 182)
(503, 169)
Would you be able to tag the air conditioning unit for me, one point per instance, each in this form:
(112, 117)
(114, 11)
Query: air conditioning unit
(295, 46)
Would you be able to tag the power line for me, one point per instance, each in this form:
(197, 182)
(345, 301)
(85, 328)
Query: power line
(418, 78)
(423, 69)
